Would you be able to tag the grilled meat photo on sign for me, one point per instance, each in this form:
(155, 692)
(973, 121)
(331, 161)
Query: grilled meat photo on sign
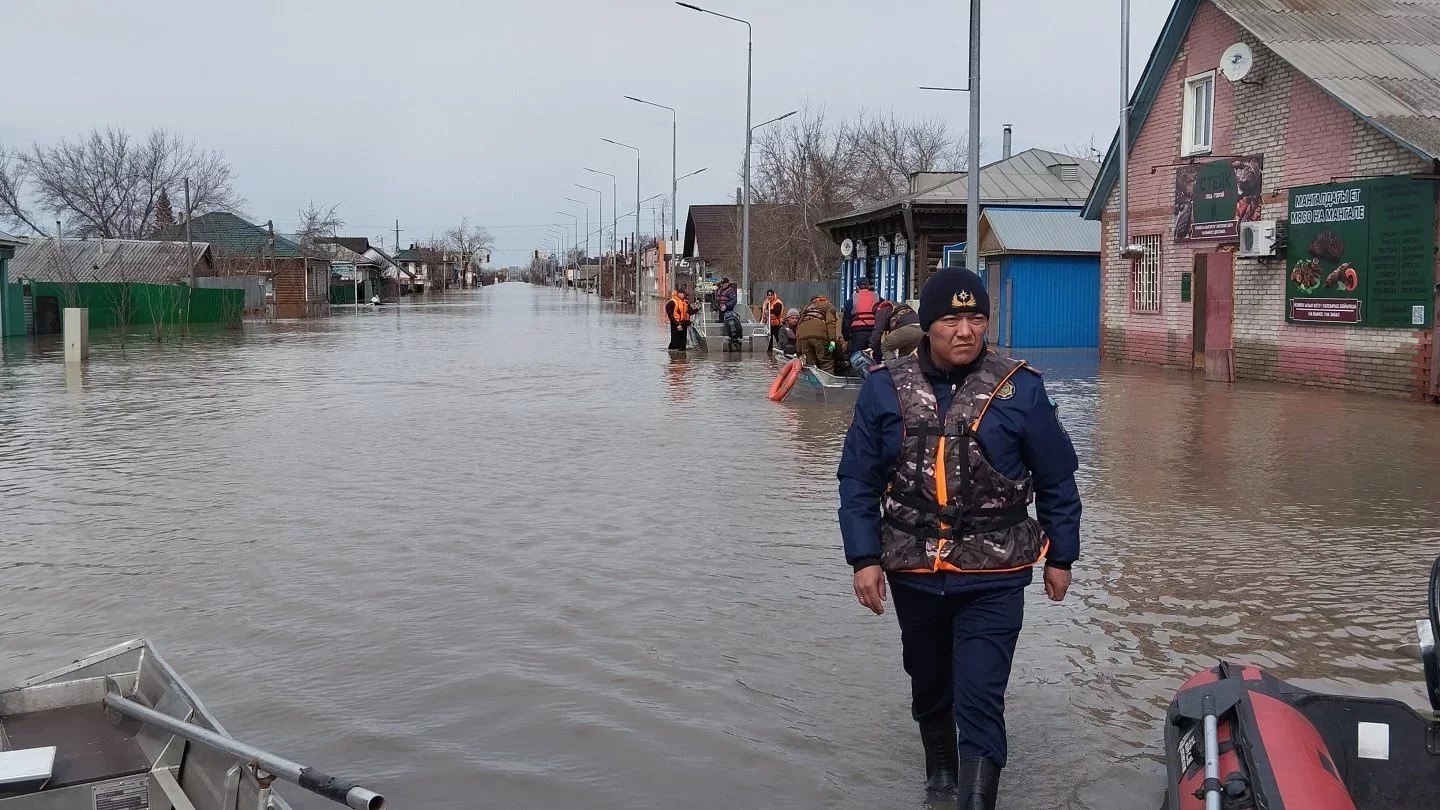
(1306, 274)
(1326, 245)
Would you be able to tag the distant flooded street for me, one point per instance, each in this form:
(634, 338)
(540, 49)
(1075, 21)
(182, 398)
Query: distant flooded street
(502, 550)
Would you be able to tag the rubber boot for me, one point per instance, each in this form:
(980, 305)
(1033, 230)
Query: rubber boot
(941, 754)
(978, 784)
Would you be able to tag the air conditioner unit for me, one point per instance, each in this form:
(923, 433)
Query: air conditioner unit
(1261, 238)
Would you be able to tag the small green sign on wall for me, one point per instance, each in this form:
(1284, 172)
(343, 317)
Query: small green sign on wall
(1185, 288)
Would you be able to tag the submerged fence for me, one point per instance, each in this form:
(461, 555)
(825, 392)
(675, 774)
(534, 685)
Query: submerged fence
(118, 304)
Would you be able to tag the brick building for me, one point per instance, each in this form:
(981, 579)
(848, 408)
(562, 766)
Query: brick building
(1323, 116)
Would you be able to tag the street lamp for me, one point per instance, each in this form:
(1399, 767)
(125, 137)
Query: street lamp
(614, 232)
(575, 237)
(972, 178)
(773, 120)
(674, 181)
(749, 63)
(637, 217)
(587, 225)
(600, 239)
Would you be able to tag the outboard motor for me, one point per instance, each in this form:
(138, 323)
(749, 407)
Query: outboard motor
(733, 331)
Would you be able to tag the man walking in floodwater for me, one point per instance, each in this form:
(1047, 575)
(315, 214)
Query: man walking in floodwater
(947, 449)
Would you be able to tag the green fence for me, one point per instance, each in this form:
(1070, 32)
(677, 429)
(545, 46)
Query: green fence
(117, 304)
(13, 318)
(342, 293)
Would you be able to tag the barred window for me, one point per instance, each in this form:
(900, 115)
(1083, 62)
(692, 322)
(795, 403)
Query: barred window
(1145, 276)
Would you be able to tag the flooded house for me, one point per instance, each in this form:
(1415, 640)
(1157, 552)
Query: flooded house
(297, 286)
(899, 243)
(1282, 175)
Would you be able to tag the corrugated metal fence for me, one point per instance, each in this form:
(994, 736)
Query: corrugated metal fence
(254, 287)
(795, 294)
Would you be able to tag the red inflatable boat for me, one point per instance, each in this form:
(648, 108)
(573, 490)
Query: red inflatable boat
(1238, 738)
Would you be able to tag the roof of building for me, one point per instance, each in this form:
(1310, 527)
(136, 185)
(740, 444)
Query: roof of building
(410, 254)
(358, 244)
(127, 260)
(717, 225)
(1032, 177)
(7, 240)
(229, 233)
(1029, 230)
(1378, 58)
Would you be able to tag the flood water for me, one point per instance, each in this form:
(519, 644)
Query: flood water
(503, 551)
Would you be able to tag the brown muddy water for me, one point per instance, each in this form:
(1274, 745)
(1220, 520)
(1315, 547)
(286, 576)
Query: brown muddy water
(503, 551)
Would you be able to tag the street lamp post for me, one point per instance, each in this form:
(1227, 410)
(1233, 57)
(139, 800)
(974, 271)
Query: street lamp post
(600, 239)
(749, 64)
(637, 217)
(575, 236)
(674, 180)
(679, 249)
(614, 234)
(587, 237)
(559, 234)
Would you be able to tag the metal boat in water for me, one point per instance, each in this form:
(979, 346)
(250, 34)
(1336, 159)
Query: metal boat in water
(119, 730)
(813, 383)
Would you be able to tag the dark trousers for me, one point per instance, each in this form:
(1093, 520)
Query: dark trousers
(860, 339)
(774, 337)
(677, 337)
(957, 651)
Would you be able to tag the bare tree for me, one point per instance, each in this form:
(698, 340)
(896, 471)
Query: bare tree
(1090, 150)
(813, 169)
(107, 184)
(317, 222)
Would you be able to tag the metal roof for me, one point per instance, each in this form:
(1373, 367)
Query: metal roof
(1024, 230)
(111, 260)
(6, 240)
(1379, 58)
(231, 234)
(1032, 177)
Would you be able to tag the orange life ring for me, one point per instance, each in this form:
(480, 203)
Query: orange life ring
(785, 380)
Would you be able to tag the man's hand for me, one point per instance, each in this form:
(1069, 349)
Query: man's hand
(1057, 582)
(870, 588)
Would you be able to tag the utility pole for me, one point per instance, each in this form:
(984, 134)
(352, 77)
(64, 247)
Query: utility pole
(189, 246)
(972, 196)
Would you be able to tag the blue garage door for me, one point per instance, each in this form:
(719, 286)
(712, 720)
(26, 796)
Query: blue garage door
(1050, 301)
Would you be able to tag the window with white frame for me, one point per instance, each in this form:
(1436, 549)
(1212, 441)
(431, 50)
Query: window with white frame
(1199, 116)
(1145, 276)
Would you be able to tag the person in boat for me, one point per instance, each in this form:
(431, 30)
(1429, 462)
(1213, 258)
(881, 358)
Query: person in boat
(858, 321)
(817, 334)
(897, 332)
(787, 331)
(725, 298)
(954, 542)
(677, 310)
(775, 314)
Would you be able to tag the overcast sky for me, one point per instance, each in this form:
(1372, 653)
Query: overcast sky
(430, 110)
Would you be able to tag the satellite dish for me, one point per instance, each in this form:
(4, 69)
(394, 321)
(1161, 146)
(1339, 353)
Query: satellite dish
(847, 247)
(1236, 62)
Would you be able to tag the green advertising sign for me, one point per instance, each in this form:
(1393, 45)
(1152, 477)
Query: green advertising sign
(1362, 254)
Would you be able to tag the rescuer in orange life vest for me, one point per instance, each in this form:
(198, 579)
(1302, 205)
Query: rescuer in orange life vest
(948, 448)
(677, 311)
(858, 321)
(775, 313)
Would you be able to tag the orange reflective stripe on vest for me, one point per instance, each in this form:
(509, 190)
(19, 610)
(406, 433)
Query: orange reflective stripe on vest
(864, 317)
(777, 311)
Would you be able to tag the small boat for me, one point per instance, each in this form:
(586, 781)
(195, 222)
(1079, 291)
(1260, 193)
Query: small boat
(1238, 737)
(119, 730)
(817, 384)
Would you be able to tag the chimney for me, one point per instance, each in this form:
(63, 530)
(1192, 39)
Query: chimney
(737, 195)
(1005, 152)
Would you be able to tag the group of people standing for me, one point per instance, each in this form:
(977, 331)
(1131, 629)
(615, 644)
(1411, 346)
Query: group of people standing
(866, 332)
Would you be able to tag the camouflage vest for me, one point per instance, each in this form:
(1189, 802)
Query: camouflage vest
(983, 524)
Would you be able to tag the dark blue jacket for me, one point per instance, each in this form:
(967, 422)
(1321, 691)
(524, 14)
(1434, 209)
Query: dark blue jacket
(725, 300)
(1019, 434)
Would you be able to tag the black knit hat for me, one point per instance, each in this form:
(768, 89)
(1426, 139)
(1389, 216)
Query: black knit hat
(952, 290)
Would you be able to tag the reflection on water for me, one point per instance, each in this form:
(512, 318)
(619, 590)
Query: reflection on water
(504, 547)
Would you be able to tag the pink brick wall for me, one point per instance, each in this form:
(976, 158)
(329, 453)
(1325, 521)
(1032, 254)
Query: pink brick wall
(1306, 137)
